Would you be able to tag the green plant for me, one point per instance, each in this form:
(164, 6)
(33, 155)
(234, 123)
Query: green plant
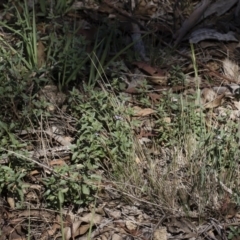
(13, 181)
(28, 35)
(78, 188)
(67, 53)
(104, 135)
(54, 8)
(13, 174)
(177, 76)
(19, 62)
(233, 232)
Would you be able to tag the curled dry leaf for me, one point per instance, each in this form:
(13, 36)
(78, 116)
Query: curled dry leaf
(208, 95)
(58, 162)
(11, 202)
(215, 103)
(93, 218)
(154, 97)
(211, 34)
(183, 225)
(31, 196)
(36, 213)
(141, 112)
(155, 75)
(144, 140)
(231, 70)
(210, 98)
(76, 230)
(82, 230)
(211, 234)
(51, 231)
(157, 79)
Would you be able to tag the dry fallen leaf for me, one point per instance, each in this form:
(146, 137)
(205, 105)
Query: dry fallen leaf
(208, 95)
(211, 34)
(182, 225)
(76, 230)
(140, 112)
(51, 231)
(58, 162)
(11, 202)
(17, 233)
(167, 119)
(160, 234)
(36, 213)
(154, 97)
(41, 56)
(137, 160)
(131, 226)
(228, 208)
(231, 70)
(116, 237)
(93, 218)
(154, 74)
(115, 214)
(82, 230)
(215, 103)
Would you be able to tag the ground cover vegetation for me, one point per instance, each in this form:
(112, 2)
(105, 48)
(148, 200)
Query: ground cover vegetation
(110, 128)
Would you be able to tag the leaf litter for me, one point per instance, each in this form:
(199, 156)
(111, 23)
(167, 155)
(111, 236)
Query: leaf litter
(113, 217)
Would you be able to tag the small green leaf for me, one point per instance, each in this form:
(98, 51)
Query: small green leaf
(74, 156)
(85, 189)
